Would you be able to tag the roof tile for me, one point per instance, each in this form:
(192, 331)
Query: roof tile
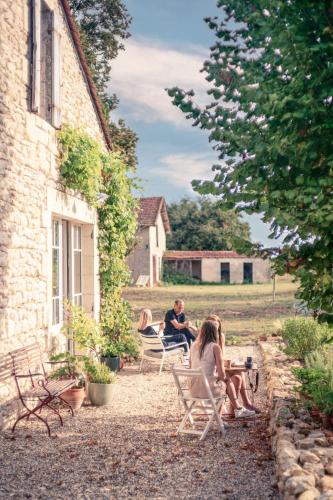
(201, 254)
(149, 209)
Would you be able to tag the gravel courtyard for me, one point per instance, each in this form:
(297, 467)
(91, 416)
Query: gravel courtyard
(130, 450)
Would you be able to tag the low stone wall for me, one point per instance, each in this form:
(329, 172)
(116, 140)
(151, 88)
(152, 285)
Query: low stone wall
(302, 450)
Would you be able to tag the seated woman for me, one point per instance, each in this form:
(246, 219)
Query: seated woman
(145, 328)
(238, 380)
(206, 353)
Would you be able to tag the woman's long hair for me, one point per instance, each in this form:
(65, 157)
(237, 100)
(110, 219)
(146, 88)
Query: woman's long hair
(217, 319)
(208, 333)
(145, 319)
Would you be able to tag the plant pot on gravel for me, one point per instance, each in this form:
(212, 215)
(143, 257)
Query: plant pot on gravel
(72, 368)
(263, 338)
(100, 383)
(74, 396)
(112, 362)
(111, 354)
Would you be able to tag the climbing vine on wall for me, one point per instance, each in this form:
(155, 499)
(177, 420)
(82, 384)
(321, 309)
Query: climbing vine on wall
(107, 183)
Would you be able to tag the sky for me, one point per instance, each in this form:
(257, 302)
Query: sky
(168, 46)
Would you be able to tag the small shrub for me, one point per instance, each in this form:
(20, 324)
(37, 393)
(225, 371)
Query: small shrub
(231, 340)
(304, 335)
(99, 373)
(70, 367)
(316, 379)
(170, 276)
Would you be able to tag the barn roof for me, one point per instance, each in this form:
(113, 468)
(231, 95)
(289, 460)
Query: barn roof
(201, 254)
(149, 208)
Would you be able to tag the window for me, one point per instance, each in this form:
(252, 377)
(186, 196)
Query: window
(45, 97)
(225, 272)
(77, 265)
(66, 266)
(56, 272)
(248, 272)
(46, 63)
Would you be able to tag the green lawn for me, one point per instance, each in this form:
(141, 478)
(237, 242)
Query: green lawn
(247, 310)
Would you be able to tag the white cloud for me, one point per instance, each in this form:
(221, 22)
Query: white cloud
(181, 169)
(142, 72)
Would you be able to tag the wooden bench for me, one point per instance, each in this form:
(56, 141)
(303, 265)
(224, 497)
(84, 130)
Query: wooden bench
(41, 392)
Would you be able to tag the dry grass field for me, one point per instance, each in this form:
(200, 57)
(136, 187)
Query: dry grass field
(247, 310)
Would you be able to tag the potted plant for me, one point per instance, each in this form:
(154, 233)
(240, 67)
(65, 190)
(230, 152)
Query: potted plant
(100, 383)
(83, 330)
(111, 354)
(72, 368)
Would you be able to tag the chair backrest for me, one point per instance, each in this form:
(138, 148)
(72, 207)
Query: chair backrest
(155, 327)
(180, 372)
(6, 367)
(142, 280)
(151, 343)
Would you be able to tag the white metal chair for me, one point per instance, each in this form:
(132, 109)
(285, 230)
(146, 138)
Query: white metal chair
(154, 350)
(210, 406)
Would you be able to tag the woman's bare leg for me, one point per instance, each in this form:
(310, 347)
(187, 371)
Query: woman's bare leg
(244, 395)
(232, 395)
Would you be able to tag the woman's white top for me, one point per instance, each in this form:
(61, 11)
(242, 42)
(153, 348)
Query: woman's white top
(207, 363)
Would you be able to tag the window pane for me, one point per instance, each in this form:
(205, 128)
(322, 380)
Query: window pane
(77, 272)
(78, 300)
(55, 233)
(55, 272)
(78, 244)
(55, 311)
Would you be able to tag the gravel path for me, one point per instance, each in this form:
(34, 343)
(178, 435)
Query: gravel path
(130, 450)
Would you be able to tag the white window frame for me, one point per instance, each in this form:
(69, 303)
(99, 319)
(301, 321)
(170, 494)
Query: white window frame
(60, 273)
(77, 298)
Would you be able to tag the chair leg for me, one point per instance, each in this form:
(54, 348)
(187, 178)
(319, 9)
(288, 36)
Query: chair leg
(161, 367)
(34, 413)
(186, 416)
(141, 364)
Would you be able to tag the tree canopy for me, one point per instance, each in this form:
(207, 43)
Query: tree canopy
(203, 225)
(271, 122)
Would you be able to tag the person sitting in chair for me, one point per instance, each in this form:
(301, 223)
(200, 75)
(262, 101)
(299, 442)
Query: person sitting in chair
(145, 328)
(175, 323)
(206, 353)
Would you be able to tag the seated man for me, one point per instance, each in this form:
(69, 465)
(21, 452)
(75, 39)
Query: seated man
(175, 323)
(145, 328)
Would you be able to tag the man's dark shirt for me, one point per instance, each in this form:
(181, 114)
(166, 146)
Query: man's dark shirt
(169, 328)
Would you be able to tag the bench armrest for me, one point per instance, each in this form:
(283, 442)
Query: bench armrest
(28, 376)
(55, 362)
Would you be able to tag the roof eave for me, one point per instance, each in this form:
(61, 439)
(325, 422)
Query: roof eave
(86, 71)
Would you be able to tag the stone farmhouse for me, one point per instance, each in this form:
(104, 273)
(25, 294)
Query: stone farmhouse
(219, 266)
(48, 236)
(153, 226)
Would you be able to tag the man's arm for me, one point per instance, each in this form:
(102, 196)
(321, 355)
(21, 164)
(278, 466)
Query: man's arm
(179, 326)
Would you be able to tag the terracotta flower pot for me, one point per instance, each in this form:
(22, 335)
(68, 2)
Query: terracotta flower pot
(74, 397)
(263, 338)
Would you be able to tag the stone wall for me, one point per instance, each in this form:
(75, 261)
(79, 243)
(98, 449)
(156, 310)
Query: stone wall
(28, 176)
(140, 261)
(303, 451)
(157, 248)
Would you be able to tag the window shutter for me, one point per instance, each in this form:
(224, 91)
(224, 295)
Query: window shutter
(35, 83)
(56, 70)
